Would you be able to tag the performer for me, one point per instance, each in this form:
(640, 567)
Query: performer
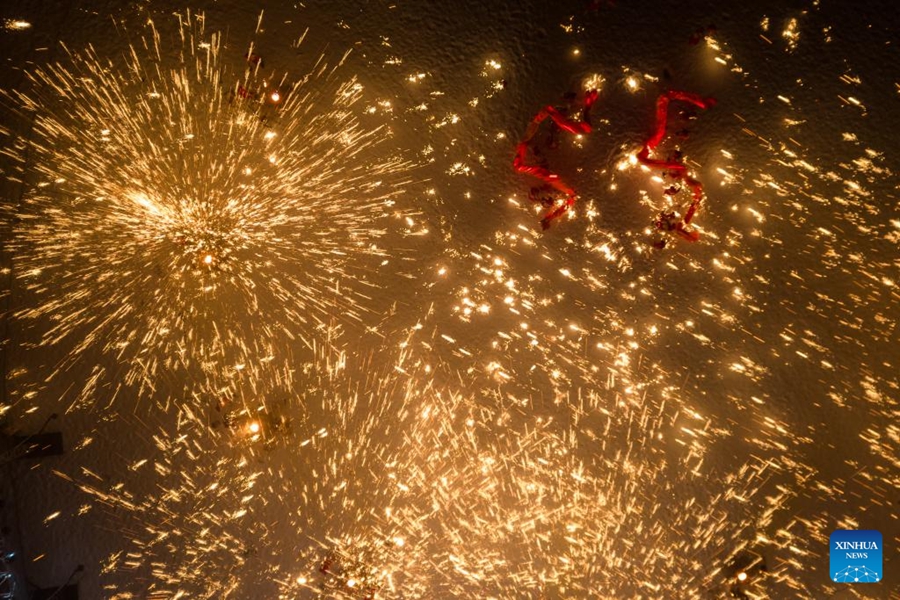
(673, 166)
(552, 180)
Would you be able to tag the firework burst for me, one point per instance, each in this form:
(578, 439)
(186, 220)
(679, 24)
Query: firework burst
(383, 482)
(185, 213)
(277, 483)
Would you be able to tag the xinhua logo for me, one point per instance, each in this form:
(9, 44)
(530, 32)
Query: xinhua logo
(855, 556)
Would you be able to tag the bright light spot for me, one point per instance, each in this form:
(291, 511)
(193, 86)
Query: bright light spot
(275, 97)
(208, 259)
(16, 25)
(253, 427)
(791, 34)
(593, 82)
(742, 576)
(144, 201)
